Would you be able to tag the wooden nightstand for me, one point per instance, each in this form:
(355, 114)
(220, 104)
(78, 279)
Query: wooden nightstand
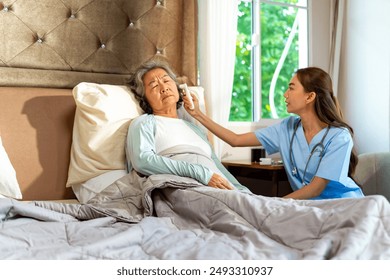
(273, 173)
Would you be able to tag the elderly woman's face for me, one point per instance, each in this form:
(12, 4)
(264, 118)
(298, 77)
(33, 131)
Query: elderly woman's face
(160, 90)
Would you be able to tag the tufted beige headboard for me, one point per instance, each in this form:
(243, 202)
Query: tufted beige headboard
(59, 43)
(49, 46)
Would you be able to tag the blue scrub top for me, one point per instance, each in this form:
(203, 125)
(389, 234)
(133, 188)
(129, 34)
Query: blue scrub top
(334, 163)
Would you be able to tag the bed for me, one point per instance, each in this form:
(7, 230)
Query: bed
(64, 113)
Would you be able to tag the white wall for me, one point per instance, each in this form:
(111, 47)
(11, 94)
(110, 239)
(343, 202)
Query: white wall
(364, 83)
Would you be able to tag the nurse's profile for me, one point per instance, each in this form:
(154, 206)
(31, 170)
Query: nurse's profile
(316, 146)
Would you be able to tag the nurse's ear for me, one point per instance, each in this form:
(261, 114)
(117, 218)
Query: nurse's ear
(310, 97)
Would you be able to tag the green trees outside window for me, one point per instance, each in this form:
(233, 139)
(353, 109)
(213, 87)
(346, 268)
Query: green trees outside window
(282, 46)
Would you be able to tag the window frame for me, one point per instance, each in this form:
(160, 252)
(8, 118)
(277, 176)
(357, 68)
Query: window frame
(256, 60)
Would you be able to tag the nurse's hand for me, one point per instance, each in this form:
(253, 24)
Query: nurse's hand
(219, 182)
(196, 110)
(314, 189)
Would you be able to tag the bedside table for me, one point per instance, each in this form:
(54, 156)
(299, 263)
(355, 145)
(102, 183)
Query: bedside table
(273, 173)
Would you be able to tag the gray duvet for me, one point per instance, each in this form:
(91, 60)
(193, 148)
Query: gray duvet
(170, 217)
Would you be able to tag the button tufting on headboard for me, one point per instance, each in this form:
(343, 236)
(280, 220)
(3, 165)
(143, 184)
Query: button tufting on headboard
(68, 33)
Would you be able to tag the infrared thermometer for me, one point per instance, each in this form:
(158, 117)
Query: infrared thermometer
(187, 95)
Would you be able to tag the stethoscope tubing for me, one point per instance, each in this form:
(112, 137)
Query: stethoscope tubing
(320, 144)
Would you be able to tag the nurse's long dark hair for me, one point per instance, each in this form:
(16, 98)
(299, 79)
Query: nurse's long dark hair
(316, 80)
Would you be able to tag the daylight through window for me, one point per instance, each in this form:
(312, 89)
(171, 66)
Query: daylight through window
(272, 43)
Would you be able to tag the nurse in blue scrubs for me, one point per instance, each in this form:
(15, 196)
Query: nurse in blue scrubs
(316, 146)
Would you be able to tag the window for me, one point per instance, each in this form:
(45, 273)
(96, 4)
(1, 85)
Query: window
(272, 43)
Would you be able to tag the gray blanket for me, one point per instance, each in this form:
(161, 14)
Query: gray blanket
(170, 217)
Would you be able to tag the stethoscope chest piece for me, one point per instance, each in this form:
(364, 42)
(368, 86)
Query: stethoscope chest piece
(294, 171)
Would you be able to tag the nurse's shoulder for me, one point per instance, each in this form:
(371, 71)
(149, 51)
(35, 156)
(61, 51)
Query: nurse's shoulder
(340, 134)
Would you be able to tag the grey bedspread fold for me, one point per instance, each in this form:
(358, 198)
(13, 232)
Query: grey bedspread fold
(170, 217)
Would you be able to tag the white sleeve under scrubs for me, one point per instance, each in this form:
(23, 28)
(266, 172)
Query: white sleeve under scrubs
(333, 165)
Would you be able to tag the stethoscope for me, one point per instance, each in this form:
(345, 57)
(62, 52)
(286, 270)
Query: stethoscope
(319, 146)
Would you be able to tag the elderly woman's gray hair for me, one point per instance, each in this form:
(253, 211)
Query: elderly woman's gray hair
(137, 85)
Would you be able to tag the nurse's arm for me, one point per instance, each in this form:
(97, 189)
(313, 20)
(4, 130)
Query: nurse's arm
(230, 137)
(314, 189)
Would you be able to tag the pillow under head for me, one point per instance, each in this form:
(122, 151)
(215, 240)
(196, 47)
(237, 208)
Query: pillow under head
(103, 113)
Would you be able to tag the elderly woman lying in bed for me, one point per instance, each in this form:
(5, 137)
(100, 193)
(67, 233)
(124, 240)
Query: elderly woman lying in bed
(162, 143)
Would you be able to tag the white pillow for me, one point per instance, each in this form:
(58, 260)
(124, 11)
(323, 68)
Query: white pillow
(103, 114)
(9, 186)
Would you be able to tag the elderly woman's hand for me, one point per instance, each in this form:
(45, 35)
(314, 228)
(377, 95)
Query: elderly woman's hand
(219, 182)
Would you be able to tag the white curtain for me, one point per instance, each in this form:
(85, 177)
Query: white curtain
(217, 46)
(337, 18)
